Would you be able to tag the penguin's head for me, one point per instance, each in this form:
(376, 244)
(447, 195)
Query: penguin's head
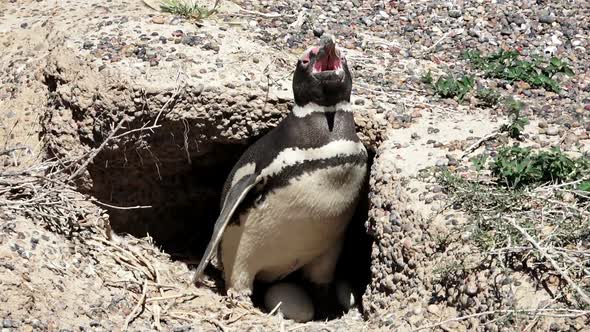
(322, 76)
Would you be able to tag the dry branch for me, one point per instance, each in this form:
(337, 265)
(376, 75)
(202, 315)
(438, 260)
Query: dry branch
(136, 310)
(563, 313)
(479, 142)
(135, 207)
(95, 152)
(551, 261)
(10, 150)
(171, 297)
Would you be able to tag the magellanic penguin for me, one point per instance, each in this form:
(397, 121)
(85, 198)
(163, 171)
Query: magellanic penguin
(288, 200)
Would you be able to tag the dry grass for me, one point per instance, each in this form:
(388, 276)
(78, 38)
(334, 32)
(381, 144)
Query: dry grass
(543, 230)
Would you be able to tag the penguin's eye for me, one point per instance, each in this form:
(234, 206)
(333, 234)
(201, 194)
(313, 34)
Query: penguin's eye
(305, 61)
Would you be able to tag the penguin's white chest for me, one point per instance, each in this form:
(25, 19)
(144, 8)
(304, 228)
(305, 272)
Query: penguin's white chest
(294, 224)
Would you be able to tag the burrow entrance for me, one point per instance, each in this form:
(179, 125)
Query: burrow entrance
(176, 200)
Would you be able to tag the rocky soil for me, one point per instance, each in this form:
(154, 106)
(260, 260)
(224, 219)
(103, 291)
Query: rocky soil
(175, 99)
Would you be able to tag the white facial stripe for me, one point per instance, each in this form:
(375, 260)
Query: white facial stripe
(245, 170)
(310, 108)
(292, 156)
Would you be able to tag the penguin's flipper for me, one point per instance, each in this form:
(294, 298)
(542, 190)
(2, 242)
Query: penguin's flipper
(235, 196)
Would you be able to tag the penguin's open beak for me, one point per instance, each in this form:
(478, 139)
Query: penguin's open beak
(328, 64)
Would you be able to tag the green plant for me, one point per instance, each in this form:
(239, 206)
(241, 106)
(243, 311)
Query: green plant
(188, 10)
(516, 167)
(450, 87)
(508, 66)
(488, 97)
(513, 166)
(427, 78)
(513, 106)
(479, 161)
(584, 186)
(557, 66)
(517, 122)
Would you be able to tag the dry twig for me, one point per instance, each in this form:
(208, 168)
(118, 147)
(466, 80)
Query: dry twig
(136, 310)
(95, 152)
(135, 207)
(567, 313)
(10, 150)
(551, 261)
(171, 297)
(479, 142)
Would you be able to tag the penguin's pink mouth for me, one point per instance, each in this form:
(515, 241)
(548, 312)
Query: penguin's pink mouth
(327, 60)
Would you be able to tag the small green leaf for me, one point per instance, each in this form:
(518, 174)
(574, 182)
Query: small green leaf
(506, 65)
(584, 186)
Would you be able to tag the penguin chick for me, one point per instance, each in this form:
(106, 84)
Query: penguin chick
(288, 200)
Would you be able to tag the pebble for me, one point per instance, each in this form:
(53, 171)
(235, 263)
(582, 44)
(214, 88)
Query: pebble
(417, 310)
(471, 289)
(150, 53)
(35, 323)
(552, 131)
(318, 32)
(8, 323)
(442, 162)
(158, 19)
(506, 31)
(367, 21)
(211, 46)
(190, 40)
(433, 309)
(455, 13)
(547, 19)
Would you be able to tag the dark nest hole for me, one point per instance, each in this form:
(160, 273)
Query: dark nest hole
(184, 201)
